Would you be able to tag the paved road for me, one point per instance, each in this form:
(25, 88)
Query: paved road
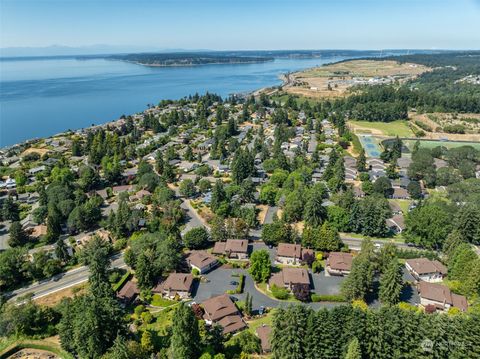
(62, 281)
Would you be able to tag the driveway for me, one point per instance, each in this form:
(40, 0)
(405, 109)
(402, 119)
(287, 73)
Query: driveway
(4, 227)
(219, 283)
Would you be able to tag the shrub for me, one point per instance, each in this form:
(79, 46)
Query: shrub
(195, 272)
(279, 293)
(327, 298)
(317, 267)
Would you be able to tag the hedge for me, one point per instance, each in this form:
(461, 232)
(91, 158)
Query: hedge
(328, 298)
(121, 282)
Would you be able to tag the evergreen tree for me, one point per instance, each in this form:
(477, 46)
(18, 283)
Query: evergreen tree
(362, 161)
(119, 349)
(10, 210)
(185, 337)
(353, 351)
(17, 236)
(391, 283)
(314, 213)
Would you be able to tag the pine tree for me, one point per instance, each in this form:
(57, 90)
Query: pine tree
(362, 161)
(17, 236)
(185, 337)
(315, 213)
(391, 283)
(353, 351)
(119, 349)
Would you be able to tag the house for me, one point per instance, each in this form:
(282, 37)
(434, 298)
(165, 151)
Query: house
(339, 263)
(232, 248)
(129, 292)
(292, 254)
(426, 270)
(396, 223)
(177, 285)
(201, 261)
(358, 192)
(222, 310)
(119, 189)
(38, 231)
(139, 195)
(263, 333)
(400, 193)
(440, 297)
(289, 277)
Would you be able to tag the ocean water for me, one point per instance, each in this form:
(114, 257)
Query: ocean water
(42, 97)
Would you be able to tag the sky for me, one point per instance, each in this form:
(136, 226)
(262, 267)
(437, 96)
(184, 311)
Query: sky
(242, 24)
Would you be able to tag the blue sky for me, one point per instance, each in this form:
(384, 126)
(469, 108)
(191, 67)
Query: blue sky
(243, 24)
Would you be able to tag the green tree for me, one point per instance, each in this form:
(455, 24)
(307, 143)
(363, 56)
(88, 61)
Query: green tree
(17, 236)
(468, 222)
(187, 188)
(391, 283)
(10, 210)
(362, 161)
(185, 337)
(383, 187)
(260, 265)
(315, 213)
(353, 350)
(196, 238)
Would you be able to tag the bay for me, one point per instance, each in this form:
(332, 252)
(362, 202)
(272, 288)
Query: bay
(42, 97)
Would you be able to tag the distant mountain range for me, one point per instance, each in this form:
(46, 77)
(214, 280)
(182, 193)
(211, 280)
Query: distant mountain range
(59, 50)
(106, 50)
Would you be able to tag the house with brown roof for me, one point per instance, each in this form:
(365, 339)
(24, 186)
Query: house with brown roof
(292, 254)
(263, 333)
(338, 263)
(424, 269)
(129, 292)
(232, 248)
(440, 297)
(289, 277)
(222, 310)
(177, 285)
(201, 261)
(396, 223)
(400, 193)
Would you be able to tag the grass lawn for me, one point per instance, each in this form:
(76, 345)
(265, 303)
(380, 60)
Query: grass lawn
(159, 301)
(258, 322)
(263, 288)
(403, 204)
(393, 128)
(163, 320)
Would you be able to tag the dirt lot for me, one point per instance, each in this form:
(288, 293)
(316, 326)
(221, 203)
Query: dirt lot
(55, 298)
(437, 122)
(40, 151)
(335, 80)
(33, 354)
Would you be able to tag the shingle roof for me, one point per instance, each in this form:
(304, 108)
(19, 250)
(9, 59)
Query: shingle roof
(218, 307)
(179, 282)
(340, 261)
(442, 294)
(201, 259)
(289, 250)
(232, 323)
(425, 266)
(263, 333)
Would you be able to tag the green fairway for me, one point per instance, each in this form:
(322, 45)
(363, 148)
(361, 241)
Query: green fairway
(396, 128)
